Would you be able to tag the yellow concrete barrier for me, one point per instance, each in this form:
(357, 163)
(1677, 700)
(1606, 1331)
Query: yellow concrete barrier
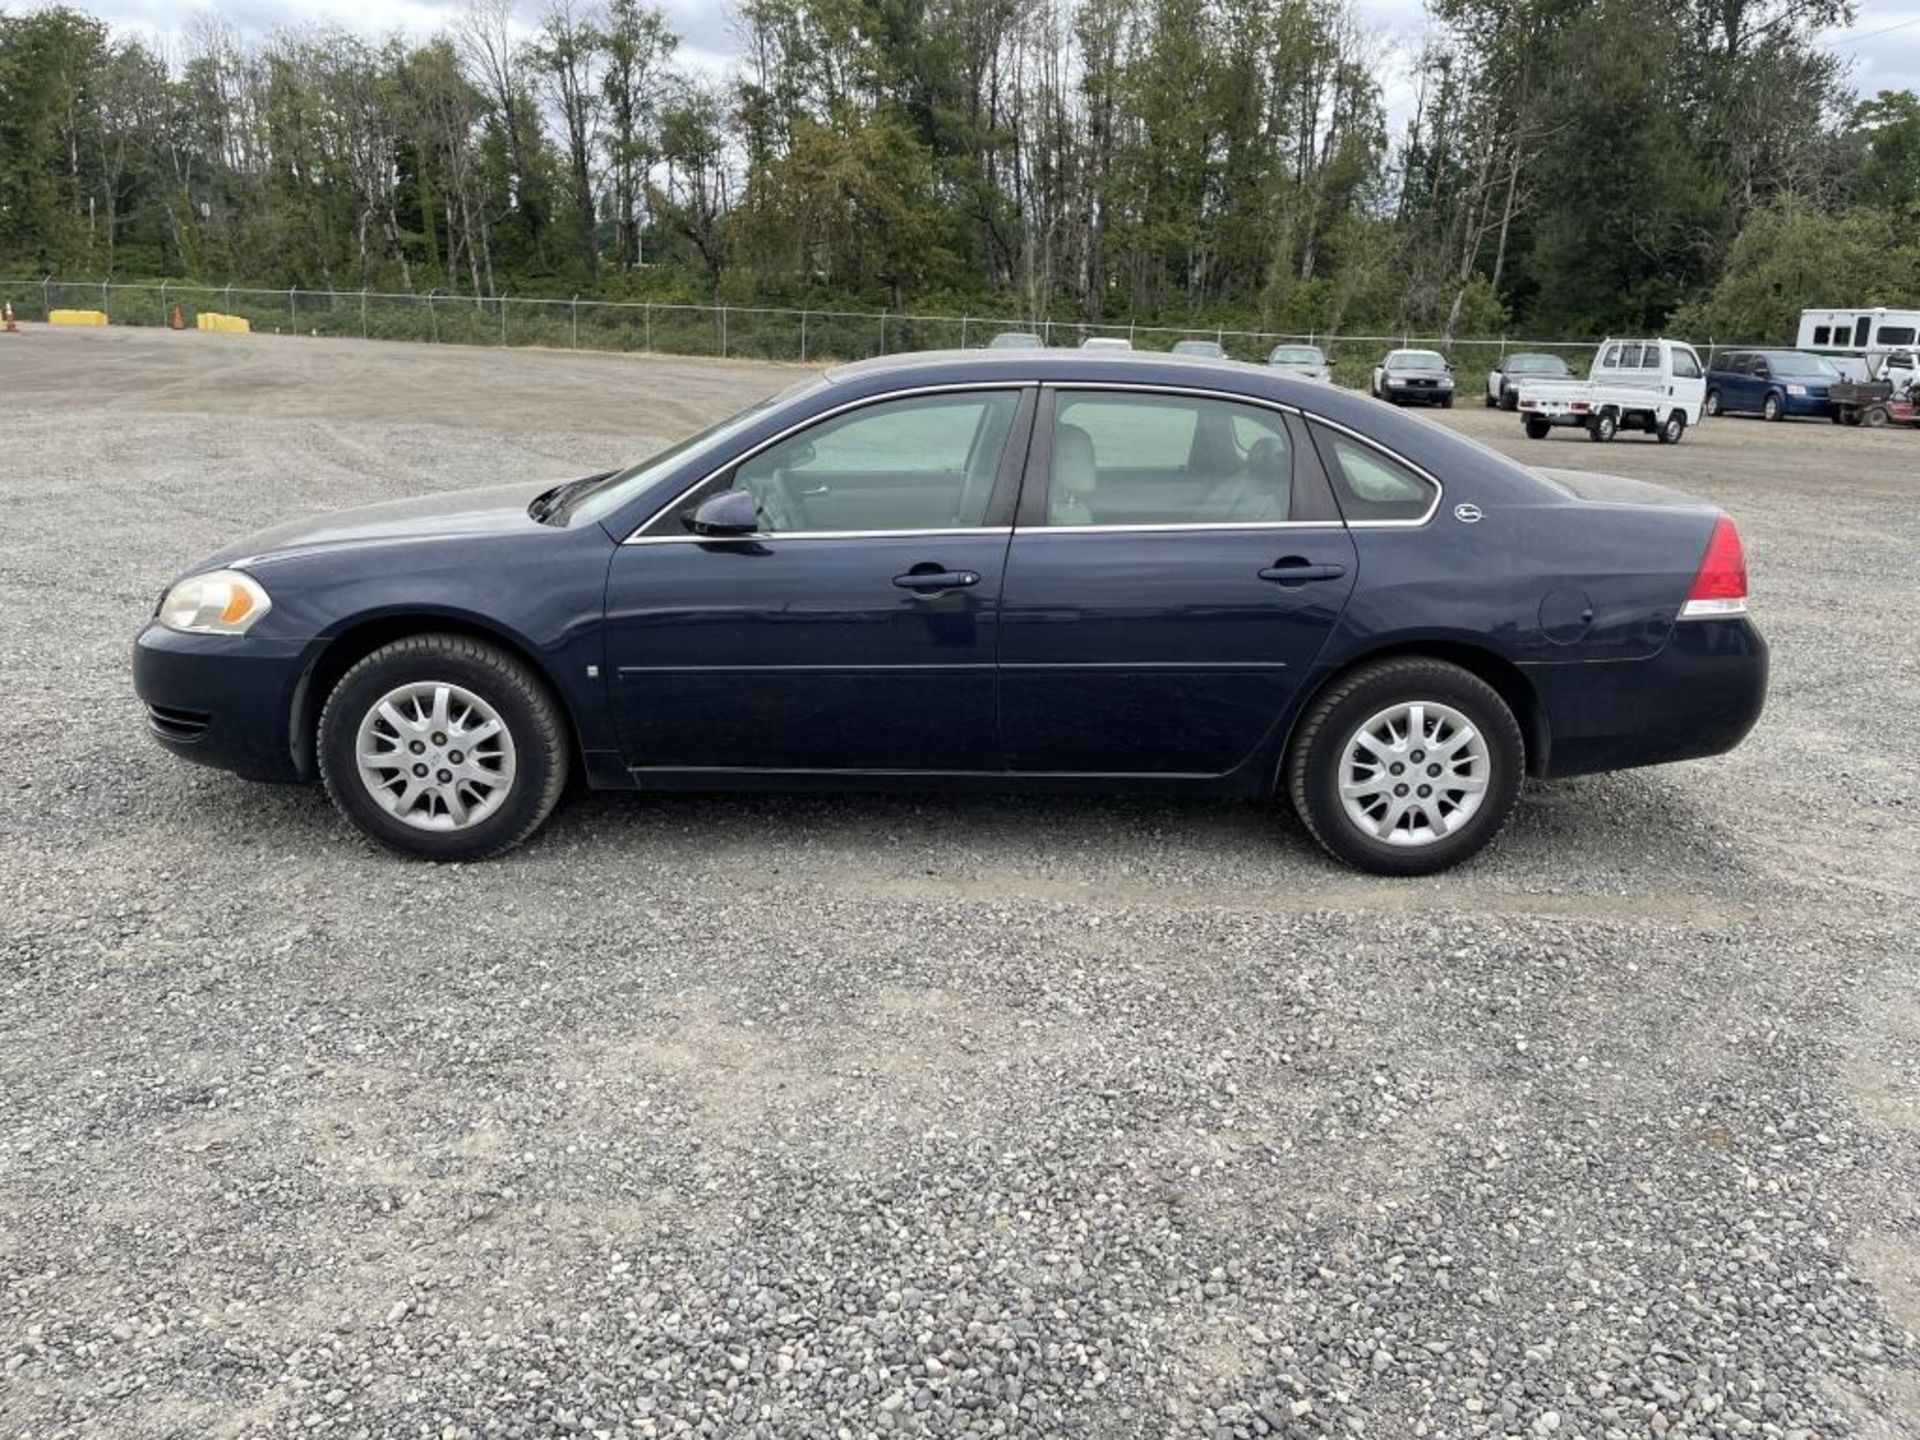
(225, 324)
(76, 317)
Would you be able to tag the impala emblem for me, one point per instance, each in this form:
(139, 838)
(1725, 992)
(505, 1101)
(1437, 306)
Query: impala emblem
(1467, 514)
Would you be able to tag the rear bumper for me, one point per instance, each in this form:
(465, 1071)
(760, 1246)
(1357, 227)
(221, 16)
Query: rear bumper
(221, 700)
(1698, 695)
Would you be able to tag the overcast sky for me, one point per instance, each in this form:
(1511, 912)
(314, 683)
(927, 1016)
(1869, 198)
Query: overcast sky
(1882, 46)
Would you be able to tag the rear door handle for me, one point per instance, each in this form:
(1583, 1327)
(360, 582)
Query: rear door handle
(927, 581)
(1292, 571)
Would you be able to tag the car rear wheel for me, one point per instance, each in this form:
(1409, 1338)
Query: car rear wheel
(1604, 426)
(1713, 402)
(1672, 428)
(444, 747)
(1537, 428)
(1406, 767)
(1770, 408)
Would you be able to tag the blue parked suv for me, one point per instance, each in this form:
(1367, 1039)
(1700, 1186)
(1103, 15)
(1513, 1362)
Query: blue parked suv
(1772, 383)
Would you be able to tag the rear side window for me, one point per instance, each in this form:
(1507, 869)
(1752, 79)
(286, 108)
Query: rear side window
(1732, 364)
(1896, 334)
(1123, 458)
(1370, 484)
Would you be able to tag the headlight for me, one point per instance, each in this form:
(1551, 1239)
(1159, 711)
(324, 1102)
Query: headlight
(221, 602)
(1796, 389)
(1446, 380)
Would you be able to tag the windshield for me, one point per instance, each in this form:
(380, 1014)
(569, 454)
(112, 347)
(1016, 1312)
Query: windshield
(1797, 362)
(1298, 355)
(602, 498)
(1415, 360)
(1536, 365)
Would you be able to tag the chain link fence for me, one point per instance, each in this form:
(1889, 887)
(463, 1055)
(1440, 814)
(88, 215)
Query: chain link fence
(722, 331)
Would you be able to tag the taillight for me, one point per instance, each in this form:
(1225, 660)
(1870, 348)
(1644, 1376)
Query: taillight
(1721, 586)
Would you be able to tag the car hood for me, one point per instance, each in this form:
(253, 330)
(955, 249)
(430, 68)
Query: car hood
(495, 510)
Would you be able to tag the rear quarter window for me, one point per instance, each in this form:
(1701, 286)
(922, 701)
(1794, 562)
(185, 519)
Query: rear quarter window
(1369, 483)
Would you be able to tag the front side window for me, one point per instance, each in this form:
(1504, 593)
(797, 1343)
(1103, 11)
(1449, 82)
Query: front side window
(1370, 484)
(1131, 459)
(1686, 365)
(927, 462)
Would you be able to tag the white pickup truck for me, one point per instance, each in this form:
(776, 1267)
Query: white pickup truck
(1654, 385)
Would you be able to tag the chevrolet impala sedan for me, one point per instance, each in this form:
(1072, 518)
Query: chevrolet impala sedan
(1009, 570)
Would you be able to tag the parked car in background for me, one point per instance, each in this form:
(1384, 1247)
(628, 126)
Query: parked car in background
(1769, 383)
(1016, 340)
(1043, 571)
(1503, 381)
(1106, 342)
(1205, 349)
(1414, 377)
(1653, 385)
(1309, 361)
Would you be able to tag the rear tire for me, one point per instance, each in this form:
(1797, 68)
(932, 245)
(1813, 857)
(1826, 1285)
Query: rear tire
(443, 687)
(1537, 429)
(1339, 768)
(1672, 428)
(1874, 416)
(1713, 402)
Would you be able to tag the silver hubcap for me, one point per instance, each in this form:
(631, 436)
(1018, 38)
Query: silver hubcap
(435, 756)
(1414, 773)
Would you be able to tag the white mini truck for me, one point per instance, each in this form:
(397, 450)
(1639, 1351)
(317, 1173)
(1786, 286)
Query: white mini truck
(1658, 386)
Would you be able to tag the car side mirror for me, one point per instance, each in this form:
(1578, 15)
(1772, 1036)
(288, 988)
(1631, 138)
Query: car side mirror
(731, 512)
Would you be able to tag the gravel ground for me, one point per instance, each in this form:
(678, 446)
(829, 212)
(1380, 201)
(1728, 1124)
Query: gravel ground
(890, 1116)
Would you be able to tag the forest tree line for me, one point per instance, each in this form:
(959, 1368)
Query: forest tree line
(1570, 166)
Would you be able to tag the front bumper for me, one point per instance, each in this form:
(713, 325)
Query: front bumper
(1815, 405)
(222, 700)
(1416, 394)
(1698, 695)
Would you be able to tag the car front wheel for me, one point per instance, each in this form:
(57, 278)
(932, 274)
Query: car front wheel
(1771, 407)
(1406, 767)
(443, 746)
(1672, 428)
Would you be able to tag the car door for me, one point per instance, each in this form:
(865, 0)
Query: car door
(1686, 386)
(1177, 566)
(856, 630)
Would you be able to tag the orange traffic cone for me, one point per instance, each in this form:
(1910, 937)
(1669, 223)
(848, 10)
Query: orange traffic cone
(9, 324)
(176, 321)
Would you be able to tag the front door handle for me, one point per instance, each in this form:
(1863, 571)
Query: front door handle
(1292, 570)
(928, 581)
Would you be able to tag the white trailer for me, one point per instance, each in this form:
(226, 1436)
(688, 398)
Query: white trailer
(1858, 331)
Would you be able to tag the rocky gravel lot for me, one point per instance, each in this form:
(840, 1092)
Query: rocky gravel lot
(798, 1117)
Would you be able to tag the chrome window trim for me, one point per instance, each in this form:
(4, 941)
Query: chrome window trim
(761, 537)
(956, 387)
(1181, 525)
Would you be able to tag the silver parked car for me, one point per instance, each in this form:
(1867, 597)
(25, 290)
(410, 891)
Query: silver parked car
(1204, 349)
(1309, 361)
(1016, 340)
(1106, 342)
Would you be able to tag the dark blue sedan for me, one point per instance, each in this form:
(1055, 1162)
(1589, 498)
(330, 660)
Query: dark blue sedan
(1028, 570)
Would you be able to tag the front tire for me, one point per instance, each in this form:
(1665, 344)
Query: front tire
(1771, 408)
(1341, 774)
(443, 747)
(1672, 428)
